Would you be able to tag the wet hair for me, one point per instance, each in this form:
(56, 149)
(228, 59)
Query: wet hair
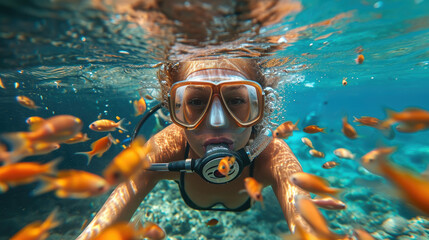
(172, 72)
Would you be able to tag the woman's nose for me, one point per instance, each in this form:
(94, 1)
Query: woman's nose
(216, 116)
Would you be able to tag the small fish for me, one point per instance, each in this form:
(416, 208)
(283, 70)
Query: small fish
(212, 222)
(344, 153)
(34, 122)
(148, 97)
(225, 165)
(409, 116)
(254, 189)
(78, 138)
(312, 183)
(285, 130)
(55, 129)
(124, 231)
(139, 106)
(28, 149)
(367, 121)
(118, 231)
(361, 234)
(359, 59)
(314, 129)
(414, 188)
(330, 164)
(99, 147)
(152, 231)
(370, 161)
(105, 125)
(1, 84)
(348, 129)
(127, 162)
(344, 82)
(38, 230)
(73, 184)
(315, 153)
(307, 142)
(25, 172)
(314, 218)
(26, 102)
(329, 203)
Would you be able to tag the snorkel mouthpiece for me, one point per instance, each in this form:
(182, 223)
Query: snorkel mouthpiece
(207, 166)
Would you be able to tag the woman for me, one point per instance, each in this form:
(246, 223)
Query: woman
(215, 105)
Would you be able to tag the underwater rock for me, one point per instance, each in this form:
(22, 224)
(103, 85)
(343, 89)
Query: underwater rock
(395, 225)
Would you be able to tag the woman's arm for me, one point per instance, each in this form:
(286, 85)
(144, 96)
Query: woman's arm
(124, 200)
(280, 163)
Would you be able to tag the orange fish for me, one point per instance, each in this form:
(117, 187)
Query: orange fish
(307, 142)
(314, 129)
(212, 222)
(78, 138)
(330, 164)
(344, 82)
(152, 231)
(127, 162)
(370, 160)
(414, 188)
(26, 102)
(73, 184)
(139, 106)
(329, 203)
(225, 165)
(34, 122)
(315, 153)
(1, 84)
(348, 129)
(38, 230)
(314, 218)
(25, 172)
(105, 125)
(254, 189)
(31, 149)
(359, 59)
(148, 97)
(367, 121)
(99, 147)
(312, 183)
(118, 231)
(344, 153)
(124, 231)
(285, 130)
(55, 129)
(410, 116)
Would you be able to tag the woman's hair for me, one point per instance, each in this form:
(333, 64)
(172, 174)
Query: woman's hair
(170, 73)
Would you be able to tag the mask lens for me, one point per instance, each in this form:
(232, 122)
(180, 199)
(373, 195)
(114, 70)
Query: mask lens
(242, 101)
(190, 102)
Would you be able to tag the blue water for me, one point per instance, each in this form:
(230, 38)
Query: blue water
(80, 59)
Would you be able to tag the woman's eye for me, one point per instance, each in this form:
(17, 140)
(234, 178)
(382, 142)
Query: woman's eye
(236, 101)
(195, 102)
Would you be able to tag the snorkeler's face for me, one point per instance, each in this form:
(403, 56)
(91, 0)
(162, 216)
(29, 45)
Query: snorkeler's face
(219, 125)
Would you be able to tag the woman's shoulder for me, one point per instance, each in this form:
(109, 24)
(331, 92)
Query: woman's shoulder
(168, 144)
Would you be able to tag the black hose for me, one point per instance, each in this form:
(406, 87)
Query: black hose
(143, 119)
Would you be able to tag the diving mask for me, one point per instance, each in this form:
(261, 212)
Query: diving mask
(190, 101)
